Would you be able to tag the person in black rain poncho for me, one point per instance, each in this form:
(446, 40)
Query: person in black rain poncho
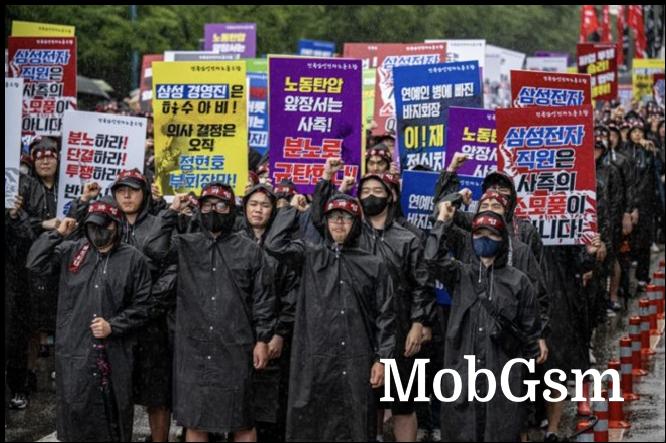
(225, 316)
(104, 296)
(271, 383)
(343, 326)
(487, 296)
(402, 254)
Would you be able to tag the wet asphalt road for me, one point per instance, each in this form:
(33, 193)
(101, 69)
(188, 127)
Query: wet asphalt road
(647, 416)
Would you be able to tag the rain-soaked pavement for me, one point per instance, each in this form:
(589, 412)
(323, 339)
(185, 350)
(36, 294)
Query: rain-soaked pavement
(37, 422)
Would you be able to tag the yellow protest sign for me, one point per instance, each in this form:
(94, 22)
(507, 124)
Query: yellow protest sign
(642, 73)
(200, 125)
(34, 29)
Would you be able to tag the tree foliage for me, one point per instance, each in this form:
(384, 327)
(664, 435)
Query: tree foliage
(107, 36)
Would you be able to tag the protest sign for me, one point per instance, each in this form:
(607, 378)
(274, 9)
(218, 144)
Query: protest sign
(48, 68)
(95, 148)
(34, 29)
(315, 48)
(13, 107)
(423, 96)
(231, 38)
(146, 84)
(200, 125)
(472, 132)
(642, 78)
(257, 120)
(533, 88)
(600, 61)
(315, 114)
(546, 64)
(549, 152)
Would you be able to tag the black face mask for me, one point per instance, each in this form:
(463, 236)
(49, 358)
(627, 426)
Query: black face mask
(215, 222)
(99, 236)
(374, 205)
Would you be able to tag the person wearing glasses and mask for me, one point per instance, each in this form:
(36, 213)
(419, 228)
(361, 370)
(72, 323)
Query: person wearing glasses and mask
(343, 325)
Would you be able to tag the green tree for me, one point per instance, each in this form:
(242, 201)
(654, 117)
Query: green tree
(107, 37)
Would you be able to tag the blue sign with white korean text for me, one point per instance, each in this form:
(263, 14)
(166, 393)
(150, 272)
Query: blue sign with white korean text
(316, 48)
(423, 95)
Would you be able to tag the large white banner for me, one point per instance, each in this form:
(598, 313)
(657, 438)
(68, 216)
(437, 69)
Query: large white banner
(496, 77)
(464, 50)
(13, 118)
(95, 148)
(546, 64)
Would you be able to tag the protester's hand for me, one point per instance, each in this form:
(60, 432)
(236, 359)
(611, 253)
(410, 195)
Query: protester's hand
(394, 169)
(51, 224)
(426, 334)
(155, 192)
(266, 181)
(627, 225)
(260, 355)
(347, 184)
(413, 341)
(466, 194)
(275, 347)
(594, 246)
(249, 185)
(373, 125)
(91, 191)
(377, 375)
(179, 201)
(446, 211)
(67, 226)
(587, 277)
(299, 202)
(458, 159)
(634, 217)
(602, 253)
(543, 351)
(332, 166)
(18, 205)
(100, 328)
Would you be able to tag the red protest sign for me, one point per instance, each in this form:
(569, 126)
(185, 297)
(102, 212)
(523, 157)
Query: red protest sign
(600, 61)
(147, 80)
(536, 88)
(549, 153)
(48, 68)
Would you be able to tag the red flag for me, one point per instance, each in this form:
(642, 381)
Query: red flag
(588, 22)
(620, 35)
(635, 21)
(605, 25)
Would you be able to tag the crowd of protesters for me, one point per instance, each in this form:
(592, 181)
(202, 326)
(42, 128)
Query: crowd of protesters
(265, 317)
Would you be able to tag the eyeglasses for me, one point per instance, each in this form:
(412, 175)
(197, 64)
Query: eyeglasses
(345, 217)
(219, 207)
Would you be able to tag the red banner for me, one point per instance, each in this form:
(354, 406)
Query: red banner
(146, 98)
(588, 22)
(48, 68)
(549, 152)
(620, 35)
(600, 61)
(605, 25)
(536, 88)
(635, 21)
